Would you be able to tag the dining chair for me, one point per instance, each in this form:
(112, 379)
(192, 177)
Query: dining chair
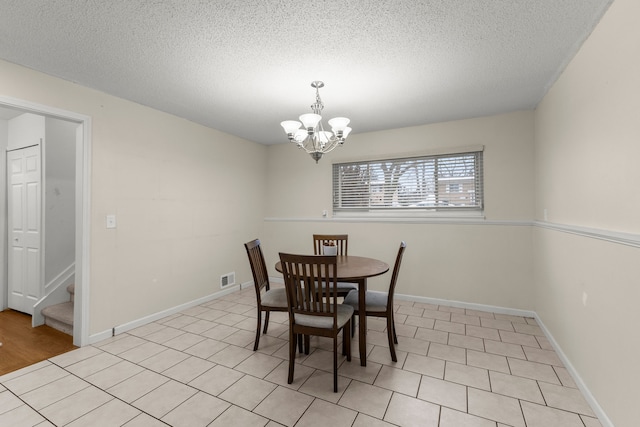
(267, 299)
(341, 241)
(380, 304)
(313, 308)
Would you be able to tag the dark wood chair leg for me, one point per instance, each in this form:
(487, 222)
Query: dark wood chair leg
(266, 321)
(345, 333)
(307, 344)
(353, 324)
(335, 364)
(257, 341)
(390, 335)
(346, 341)
(292, 355)
(393, 323)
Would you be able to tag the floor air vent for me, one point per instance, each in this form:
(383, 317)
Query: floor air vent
(227, 280)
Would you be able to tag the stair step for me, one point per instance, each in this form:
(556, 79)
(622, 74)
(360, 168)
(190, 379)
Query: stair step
(60, 317)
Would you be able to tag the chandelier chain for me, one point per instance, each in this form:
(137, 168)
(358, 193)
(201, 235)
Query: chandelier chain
(318, 106)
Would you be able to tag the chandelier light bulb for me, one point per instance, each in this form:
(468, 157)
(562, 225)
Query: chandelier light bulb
(290, 126)
(300, 135)
(324, 137)
(310, 120)
(338, 123)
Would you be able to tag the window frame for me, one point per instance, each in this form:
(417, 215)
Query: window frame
(416, 162)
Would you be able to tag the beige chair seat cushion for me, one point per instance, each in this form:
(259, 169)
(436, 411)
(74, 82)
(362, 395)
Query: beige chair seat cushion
(344, 314)
(375, 300)
(344, 286)
(275, 297)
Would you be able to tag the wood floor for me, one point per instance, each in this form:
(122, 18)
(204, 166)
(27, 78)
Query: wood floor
(23, 345)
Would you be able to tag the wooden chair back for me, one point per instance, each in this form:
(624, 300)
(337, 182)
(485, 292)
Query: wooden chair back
(258, 266)
(310, 282)
(340, 240)
(394, 275)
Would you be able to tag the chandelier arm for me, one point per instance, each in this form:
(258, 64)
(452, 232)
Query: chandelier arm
(311, 146)
(332, 146)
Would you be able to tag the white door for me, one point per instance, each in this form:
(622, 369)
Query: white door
(24, 201)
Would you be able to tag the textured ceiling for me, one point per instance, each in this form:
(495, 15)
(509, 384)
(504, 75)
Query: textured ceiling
(243, 66)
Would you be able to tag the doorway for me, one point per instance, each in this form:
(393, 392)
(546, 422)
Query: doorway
(80, 247)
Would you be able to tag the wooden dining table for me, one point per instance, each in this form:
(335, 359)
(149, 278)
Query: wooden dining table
(357, 269)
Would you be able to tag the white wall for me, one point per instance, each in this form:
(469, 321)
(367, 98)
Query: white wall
(587, 148)
(482, 261)
(25, 130)
(59, 188)
(181, 222)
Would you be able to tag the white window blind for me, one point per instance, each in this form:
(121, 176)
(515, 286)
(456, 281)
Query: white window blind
(430, 183)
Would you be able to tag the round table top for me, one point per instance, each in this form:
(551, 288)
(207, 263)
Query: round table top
(355, 267)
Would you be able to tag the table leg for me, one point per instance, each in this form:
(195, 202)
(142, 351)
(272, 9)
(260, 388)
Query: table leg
(362, 321)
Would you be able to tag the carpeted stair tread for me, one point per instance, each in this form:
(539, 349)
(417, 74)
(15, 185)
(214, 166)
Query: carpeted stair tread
(60, 312)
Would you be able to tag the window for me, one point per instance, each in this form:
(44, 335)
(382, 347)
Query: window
(426, 183)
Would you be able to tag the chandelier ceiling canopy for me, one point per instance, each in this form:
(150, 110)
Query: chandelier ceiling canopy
(312, 137)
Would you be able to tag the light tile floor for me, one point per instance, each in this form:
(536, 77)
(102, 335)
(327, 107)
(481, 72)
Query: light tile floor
(456, 368)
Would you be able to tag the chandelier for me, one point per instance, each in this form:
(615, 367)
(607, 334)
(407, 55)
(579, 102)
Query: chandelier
(312, 137)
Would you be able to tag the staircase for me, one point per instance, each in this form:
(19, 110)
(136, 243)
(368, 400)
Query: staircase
(60, 316)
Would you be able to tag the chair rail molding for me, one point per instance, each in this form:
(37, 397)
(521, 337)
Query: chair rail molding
(627, 239)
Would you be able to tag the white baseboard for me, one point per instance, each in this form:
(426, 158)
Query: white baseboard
(95, 338)
(246, 285)
(116, 330)
(591, 400)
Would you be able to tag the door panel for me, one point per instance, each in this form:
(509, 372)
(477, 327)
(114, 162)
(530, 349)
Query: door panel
(24, 180)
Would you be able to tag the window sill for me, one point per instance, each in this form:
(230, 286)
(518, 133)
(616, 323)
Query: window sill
(460, 218)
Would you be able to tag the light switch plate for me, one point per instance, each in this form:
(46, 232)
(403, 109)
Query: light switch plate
(111, 221)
